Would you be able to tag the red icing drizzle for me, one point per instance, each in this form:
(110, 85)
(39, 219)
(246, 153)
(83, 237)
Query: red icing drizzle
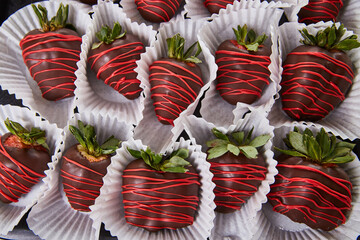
(322, 10)
(175, 92)
(56, 64)
(121, 67)
(243, 75)
(156, 7)
(14, 186)
(240, 174)
(325, 86)
(72, 191)
(319, 191)
(153, 204)
(217, 3)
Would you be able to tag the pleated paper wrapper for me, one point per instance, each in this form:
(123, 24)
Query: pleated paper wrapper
(92, 94)
(109, 208)
(343, 120)
(237, 225)
(349, 15)
(15, 76)
(11, 214)
(262, 20)
(53, 218)
(272, 225)
(150, 130)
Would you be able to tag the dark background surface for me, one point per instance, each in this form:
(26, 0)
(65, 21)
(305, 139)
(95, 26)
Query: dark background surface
(7, 8)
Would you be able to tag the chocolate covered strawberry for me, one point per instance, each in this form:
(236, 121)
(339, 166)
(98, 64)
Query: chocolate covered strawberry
(84, 166)
(24, 156)
(320, 10)
(214, 6)
(51, 54)
(175, 81)
(114, 59)
(242, 67)
(237, 167)
(157, 10)
(311, 187)
(318, 74)
(160, 192)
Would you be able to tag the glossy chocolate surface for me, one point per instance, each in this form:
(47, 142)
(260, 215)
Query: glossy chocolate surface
(158, 11)
(320, 10)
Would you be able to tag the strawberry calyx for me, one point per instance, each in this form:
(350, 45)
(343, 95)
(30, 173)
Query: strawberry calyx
(176, 46)
(248, 38)
(175, 163)
(34, 137)
(322, 148)
(88, 145)
(236, 143)
(56, 22)
(108, 35)
(330, 38)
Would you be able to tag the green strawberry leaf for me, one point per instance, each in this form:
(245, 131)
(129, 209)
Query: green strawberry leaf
(176, 46)
(217, 151)
(249, 151)
(260, 141)
(238, 136)
(135, 153)
(233, 149)
(297, 142)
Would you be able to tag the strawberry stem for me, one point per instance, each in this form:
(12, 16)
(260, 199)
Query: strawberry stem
(176, 46)
(248, 39)
(108, 35)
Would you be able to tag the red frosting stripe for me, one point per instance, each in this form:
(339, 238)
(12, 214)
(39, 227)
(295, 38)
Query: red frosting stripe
(162, 9)
(10, 178)
(156, 200)
(46, 54)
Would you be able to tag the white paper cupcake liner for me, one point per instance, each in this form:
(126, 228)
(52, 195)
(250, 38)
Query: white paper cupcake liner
(10, 214)
(150, 130)
(196, 9)
(53, 218)
(262, 20)
(92, 94)
(237, 225)
(109, 209)
(349, 15)
(133, 14)
(15, 76)
(343, 120)
(272, 225)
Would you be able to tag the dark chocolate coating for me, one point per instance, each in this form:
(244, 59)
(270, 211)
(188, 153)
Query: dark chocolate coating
(241, 78)
(158, 11)
(214, 6)
(25, 169)
(236, 178)
(90, 2)
(314, 81)
(306, 192)
(320, 10)
(52, 61)
(173, 92)
(157, 200)
(83, 179)
(114, 63)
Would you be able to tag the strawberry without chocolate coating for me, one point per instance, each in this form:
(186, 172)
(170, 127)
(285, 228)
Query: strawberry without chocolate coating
(84, 166)
(114, 60)
(238, 169)
(242, 67)
(24, 156)
(51, 54)
(159, 192)
(317, 75)
(310, 187)
(175, 81)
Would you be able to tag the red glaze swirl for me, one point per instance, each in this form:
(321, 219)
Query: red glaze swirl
(157, 10)
(174, 86)
(157, 200)
(314, 82)
(242, 74)
(51, 58)
(115, 63)
(312, 194)
(214, 6)
(82, 179)
(20, 169)
(320, 10)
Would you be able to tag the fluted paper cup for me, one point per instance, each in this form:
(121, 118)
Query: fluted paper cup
(53, 217)
(10, 214)
(92, 94)
(15, 76)
(109, 208)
